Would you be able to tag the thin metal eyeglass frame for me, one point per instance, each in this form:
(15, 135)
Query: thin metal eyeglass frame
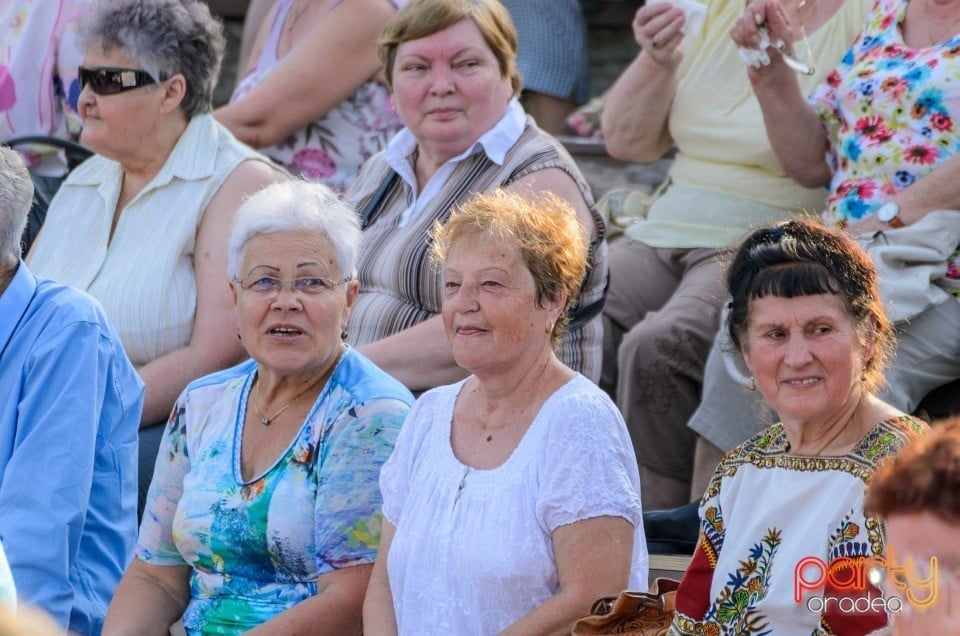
(288, 282)
(810, 67)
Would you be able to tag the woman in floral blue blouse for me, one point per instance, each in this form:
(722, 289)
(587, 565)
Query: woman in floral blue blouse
(265, 508)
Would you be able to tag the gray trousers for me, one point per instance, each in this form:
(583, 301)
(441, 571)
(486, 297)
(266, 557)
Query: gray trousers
(660, 319)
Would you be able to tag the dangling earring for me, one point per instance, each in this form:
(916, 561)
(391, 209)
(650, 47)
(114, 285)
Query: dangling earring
(753, 384)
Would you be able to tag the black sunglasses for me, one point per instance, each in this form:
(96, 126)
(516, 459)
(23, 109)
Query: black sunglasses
(110, 81)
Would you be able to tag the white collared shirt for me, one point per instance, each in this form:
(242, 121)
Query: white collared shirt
(495, 143)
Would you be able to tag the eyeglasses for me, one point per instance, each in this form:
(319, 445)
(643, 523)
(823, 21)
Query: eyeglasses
(810, 67)
(110, 81)
(270, 286)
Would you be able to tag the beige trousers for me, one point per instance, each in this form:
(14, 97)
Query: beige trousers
(660, 320)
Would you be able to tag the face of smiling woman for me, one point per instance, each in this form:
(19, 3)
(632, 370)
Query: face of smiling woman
(489, 309)
(806, 356)
(293, 333)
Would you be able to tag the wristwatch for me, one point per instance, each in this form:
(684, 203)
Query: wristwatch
(889, 213)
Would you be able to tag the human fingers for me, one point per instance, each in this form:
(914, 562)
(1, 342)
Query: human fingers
(655, 28)
(745, 30)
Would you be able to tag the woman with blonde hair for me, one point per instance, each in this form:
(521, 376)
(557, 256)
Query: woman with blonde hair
(512, 499)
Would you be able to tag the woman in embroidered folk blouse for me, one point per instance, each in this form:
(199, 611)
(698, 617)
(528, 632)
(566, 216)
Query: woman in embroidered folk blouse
(142, 226)
(452, 67)
(512, 499)
(806, 315)
(265, 508)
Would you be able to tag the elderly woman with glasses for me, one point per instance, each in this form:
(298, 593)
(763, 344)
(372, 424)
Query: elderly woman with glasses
(265, 506)
(686, 89)
(142, 226)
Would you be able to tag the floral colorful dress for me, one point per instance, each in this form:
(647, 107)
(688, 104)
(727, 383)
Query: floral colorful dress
(257, 547)
(764, 511)
(892, 114)
(331, 148)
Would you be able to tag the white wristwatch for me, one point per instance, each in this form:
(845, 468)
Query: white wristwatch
(889, 213)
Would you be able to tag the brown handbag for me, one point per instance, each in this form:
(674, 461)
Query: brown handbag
(632, 613)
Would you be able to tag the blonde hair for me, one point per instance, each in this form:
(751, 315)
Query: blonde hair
(553, 242)
(420, 18)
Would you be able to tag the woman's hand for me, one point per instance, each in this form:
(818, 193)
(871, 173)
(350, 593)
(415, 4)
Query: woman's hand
(764, 20)
(658, 29)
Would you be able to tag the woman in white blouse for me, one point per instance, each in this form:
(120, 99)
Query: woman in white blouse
(512, 499)
(143, 225)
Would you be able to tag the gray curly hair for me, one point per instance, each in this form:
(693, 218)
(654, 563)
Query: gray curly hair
(164, 37)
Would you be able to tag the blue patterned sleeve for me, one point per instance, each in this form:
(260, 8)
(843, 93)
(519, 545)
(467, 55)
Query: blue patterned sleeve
(348, 516)
(155, 544)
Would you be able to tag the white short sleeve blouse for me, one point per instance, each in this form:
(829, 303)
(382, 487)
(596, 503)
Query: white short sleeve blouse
(473, 550)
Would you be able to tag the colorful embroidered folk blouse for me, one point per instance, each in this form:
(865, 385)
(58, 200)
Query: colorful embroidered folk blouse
(764, 511)
(257, 547)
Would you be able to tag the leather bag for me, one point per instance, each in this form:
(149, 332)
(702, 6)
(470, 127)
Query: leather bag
(632, 613)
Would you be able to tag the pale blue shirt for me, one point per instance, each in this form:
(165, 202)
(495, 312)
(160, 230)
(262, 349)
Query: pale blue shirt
(70, 406)
(495, 143)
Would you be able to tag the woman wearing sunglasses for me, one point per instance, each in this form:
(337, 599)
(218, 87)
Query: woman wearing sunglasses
(686, 89)
(143, 225)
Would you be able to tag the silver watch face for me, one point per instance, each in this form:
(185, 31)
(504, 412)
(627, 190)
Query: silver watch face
(888, 211)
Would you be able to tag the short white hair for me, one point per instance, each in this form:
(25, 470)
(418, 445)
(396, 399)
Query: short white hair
(16, 197)
(291, 206)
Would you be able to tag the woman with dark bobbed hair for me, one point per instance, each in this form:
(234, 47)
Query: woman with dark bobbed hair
(143, 225)
(807, 318)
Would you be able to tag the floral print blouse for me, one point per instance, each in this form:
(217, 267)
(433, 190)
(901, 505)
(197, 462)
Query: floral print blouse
(256, 547)
(892, 114)
(331, 148)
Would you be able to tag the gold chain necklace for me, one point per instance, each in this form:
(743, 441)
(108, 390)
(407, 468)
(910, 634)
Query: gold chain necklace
(940, 37)
(267, 420)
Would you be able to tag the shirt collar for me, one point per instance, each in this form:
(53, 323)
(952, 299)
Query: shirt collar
(193, 158)
(495, 142)
(14, 302)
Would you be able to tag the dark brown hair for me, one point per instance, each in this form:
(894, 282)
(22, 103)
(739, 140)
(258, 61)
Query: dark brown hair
(801, 258)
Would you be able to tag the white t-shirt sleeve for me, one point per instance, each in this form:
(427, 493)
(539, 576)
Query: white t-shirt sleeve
(588, 466)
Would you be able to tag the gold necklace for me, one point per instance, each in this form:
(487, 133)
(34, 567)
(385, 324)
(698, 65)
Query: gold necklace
(267, 420)
(936, 40)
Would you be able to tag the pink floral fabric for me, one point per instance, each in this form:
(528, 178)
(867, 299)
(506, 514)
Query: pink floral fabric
(38, 75)
(331, 148)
